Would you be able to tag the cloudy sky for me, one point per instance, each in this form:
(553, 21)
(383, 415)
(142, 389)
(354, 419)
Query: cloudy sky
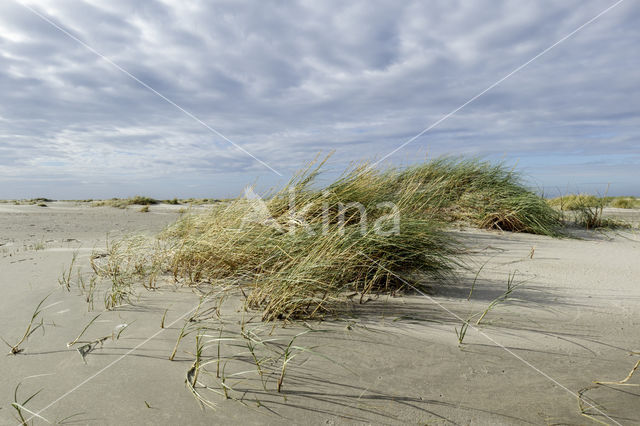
(286, 80)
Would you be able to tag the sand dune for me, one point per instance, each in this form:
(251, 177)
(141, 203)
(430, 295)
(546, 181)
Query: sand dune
(573, 319)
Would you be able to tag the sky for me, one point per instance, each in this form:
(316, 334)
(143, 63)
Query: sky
(201, 98)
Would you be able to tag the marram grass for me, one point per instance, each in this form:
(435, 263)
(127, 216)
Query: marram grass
(304, 261)
(576, 202)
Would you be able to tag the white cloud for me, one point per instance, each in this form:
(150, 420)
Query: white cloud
(286, 80)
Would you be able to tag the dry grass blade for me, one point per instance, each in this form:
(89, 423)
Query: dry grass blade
(581, 407)
(624, 381)
(74, 341)
(32, 327)
(463, 331)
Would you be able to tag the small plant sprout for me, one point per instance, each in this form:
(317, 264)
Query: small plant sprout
(65, 279)
(510, 287)
(288, 356)
(252, 342)
(225, 388)
(218, 353)
(31, 328)
(39, 245)
(183, 333)
(20, 407)
(463, 331)
(164, 316)
(198, 360)
(89, 294)
(475, 279)
(120, 328)
(67, 420)
(74, 341)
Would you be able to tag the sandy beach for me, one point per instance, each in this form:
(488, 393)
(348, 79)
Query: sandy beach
(573, 319)
(319, 213)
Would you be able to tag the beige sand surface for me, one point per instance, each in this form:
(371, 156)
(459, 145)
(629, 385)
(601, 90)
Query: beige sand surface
(575, 319)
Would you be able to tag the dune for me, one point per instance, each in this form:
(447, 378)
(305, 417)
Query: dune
(571, 318)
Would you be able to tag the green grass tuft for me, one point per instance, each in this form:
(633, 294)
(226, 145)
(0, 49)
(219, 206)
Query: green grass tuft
(303, 261)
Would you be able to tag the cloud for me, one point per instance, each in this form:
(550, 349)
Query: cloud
(288, 80)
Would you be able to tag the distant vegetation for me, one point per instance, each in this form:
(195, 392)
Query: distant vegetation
(29, 202)
(138, 200)
(625, 203)
(579, 201)
(588, 210)
(122, 203)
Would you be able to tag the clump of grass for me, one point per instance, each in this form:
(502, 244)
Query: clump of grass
(367, 232)
(592, 216)
(301, 271)
(123, 203)
(588, 210)
(199, 201)
(40, 245)
(624, 203)
(142, 201)
(41, 202)
(575, 201)
(128, 261)
(482, 194)
(144, 209)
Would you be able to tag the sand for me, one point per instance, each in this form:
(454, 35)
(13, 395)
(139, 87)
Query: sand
(574, 318)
